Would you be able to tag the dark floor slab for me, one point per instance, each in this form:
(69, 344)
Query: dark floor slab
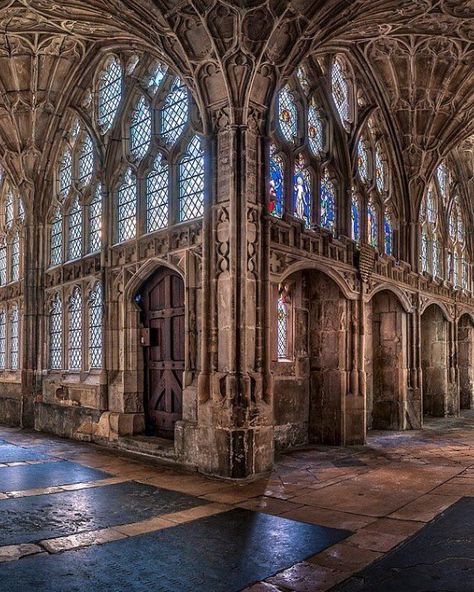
(10, 453)
(439, 558)
(31, 519)
(46, 474)
(222, 553)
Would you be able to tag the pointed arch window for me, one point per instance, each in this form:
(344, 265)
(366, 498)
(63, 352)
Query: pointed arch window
(372, 224)
(14, 338)
(157, 195)
(424, 253)
(75, 331)
(74, 247)
(388, 233)
(9, 209)
(302, 190)
(327, 202)
(15, 259)
(355, 217)
(3, 265)
(127, 208)
(65, 173)
(3, 340)
(109, 94)
(316, 139)
(95, 327)
(86, 161)
(56, 238)
(362, 160)
(140, 129)
(283, 328)
(340, 91)
(95, 221)
(276, 186)
(379, 169)
(175, 112)
(56, 334)
(157, 77)
(443, 178)
(287, 115)
(191, 181)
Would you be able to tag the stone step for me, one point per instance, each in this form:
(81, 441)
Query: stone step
(150, 446)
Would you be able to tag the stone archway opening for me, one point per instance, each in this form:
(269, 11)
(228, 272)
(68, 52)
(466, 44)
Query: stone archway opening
(386, 363)
(466, 361)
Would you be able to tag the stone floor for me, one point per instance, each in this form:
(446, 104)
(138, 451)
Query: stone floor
(382, 493)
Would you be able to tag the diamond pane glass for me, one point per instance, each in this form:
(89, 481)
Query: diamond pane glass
(175, 112)
(110, 94)
(140, 129)
(95, 221)
(75, 331)
(157, 77)
(355, 218)
(388, 234)
(56, 334)
(157, 196)
(86, 161)
(327, 202)
(362, 160)
(3, 340)
(65, 174)
(9, 215)
(14, 332)
(95, 327)
(340, 91)
(74, 247)
(302, 187)
(315, 131)
(127, 208)
(372, 225)
(282, 320)
(56, 238)
(3, 266)
(276, 198)
(379, 170)
(287, 114)
(191, 181)
(15, 259)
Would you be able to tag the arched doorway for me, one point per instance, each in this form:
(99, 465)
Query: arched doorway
(161, 299)
(466, 361)
(434, 362)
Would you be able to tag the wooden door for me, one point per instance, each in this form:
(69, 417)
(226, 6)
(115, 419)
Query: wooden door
(162, 301)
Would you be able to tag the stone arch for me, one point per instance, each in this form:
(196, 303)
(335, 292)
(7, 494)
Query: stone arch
(402, 297)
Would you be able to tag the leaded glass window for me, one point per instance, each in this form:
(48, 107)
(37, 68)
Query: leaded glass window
(302, 188)
(56, 239)
(21, 210)
(109, 93)
(95, 327)
(379, 169)
(3, 265)
(431, 207)
(276, 198)
(327, 202)
(74, 248)
(465, 275)
(424, 252)
(157, 77)
(282, 328)
(15, 259)
(140, 129)
(388, 234)
(355, 218)
(56, 334)
(340, 91)
(372, 225)
(65, 173)
(316, 140)
(303, 79)
(9, 214)
(127, 208)
(175, 112)
(191, 181)
(456, 265)
(75, 331)
(437, 270)
(95, 221)
(86, 161)
(442, 176)
(3, 339)
(14, 333)
(362, 160)
(157, 195)
(287, 114)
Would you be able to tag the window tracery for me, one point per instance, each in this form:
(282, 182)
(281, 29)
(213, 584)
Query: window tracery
(283, 326)
(75, 330)
(95, 327)
(56, 334)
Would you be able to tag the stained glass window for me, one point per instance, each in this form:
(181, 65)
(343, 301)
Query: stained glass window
(316, 138)
(157, 195)
(437, 270)
(355, 217)
(140, 129)
(388, 234)
(157, 77)
(282, 328)
(15, 259)
(379, 169)
(453, 218)
(287, 115)
(460, 228)
(3, 339)
(95, 221)
(74, 246)
(95, 327)
(465, 275)
(109, 94)
(65, 174)
(75, 331)
(430, 207)
(127, 208)
(276, 198)
(14, 332)
(21, 209)
(327, 202)
(3, 265)
(456, 263)
(191, 181)
(303, 79)
(175, 112)
(424, 252)
(442, 176)
(302, 187)
(372, 224)
(56, 237)
(56, 334)
(340, 91)
(86, 161)
(362, 160)
(9, 209)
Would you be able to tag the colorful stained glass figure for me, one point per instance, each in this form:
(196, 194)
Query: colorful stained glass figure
(3, 339)
(95, 221)
(56, 334)
(327, 202)
(372, 225)
(362, 160)
(140, 129)
(175, 112)
(303, 79)
(276, 197)
(316, 139)
(388, 234)
(127, 208)
(95, 326)
(109, 94)
(442, 176)
(157, 195)
(282, 328)
(287, 114)
(302, 191)
(424, 252)
(379, 169)
(191, 181)
(75, 330)
(86, 161)
(14, 337)
(65, 173)
(340, 91)
(355, 218)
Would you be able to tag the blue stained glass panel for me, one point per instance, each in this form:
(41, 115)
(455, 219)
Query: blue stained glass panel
(362, 160)
(287, 115)
(355, 218)
(276, 197)
(327, 202)
(372, 225)
(302, 191)
(388, 235)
